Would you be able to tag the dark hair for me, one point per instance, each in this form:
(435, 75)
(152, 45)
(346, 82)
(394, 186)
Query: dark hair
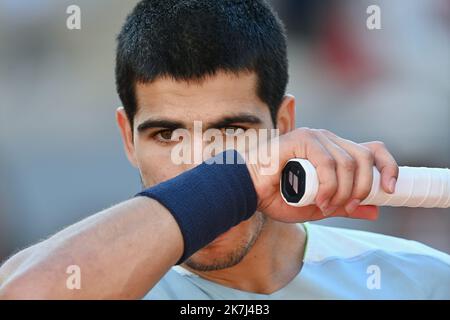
(193, 39)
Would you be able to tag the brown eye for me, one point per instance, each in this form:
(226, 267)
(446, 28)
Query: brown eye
(165, 135)
(233, 131)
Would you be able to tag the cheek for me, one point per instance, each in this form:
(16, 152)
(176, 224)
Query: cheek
(241, 233)
(155, 165)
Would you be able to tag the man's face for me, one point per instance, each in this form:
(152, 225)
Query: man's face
(223, 101)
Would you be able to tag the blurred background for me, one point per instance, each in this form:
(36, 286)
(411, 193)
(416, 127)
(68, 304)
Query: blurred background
(61, 157)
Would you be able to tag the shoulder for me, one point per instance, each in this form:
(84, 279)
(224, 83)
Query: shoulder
(328, 242)
(408, 268)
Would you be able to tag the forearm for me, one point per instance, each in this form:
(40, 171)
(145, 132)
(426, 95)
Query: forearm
(122, 252)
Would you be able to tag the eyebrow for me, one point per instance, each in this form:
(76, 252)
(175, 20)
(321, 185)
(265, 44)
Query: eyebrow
(159, 123)
(225, 121)
(239, 118)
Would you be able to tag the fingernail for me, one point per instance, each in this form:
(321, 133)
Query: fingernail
(392, 185)
(329, 210)
(324, 205)
(352, 205)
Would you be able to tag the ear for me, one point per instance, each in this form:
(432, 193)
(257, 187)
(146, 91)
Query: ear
(286, 114)
(127, 135)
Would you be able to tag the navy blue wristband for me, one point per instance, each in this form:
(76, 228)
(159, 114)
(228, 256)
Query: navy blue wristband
(207, 200)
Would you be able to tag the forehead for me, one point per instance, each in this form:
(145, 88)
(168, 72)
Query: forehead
(220, 94)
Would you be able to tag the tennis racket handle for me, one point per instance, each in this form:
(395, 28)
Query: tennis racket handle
(415, 187)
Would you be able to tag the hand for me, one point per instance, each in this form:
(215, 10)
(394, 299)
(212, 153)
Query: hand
(344, 169)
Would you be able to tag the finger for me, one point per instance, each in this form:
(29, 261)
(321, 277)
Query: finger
(325, 166)
(385, 163)
(364, 171)
(361, 212)
(345, 171)
(365, 212)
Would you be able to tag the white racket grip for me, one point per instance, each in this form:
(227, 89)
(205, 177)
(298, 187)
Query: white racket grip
(416, 187)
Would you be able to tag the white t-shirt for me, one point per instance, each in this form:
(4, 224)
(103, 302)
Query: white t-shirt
(337, 264)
